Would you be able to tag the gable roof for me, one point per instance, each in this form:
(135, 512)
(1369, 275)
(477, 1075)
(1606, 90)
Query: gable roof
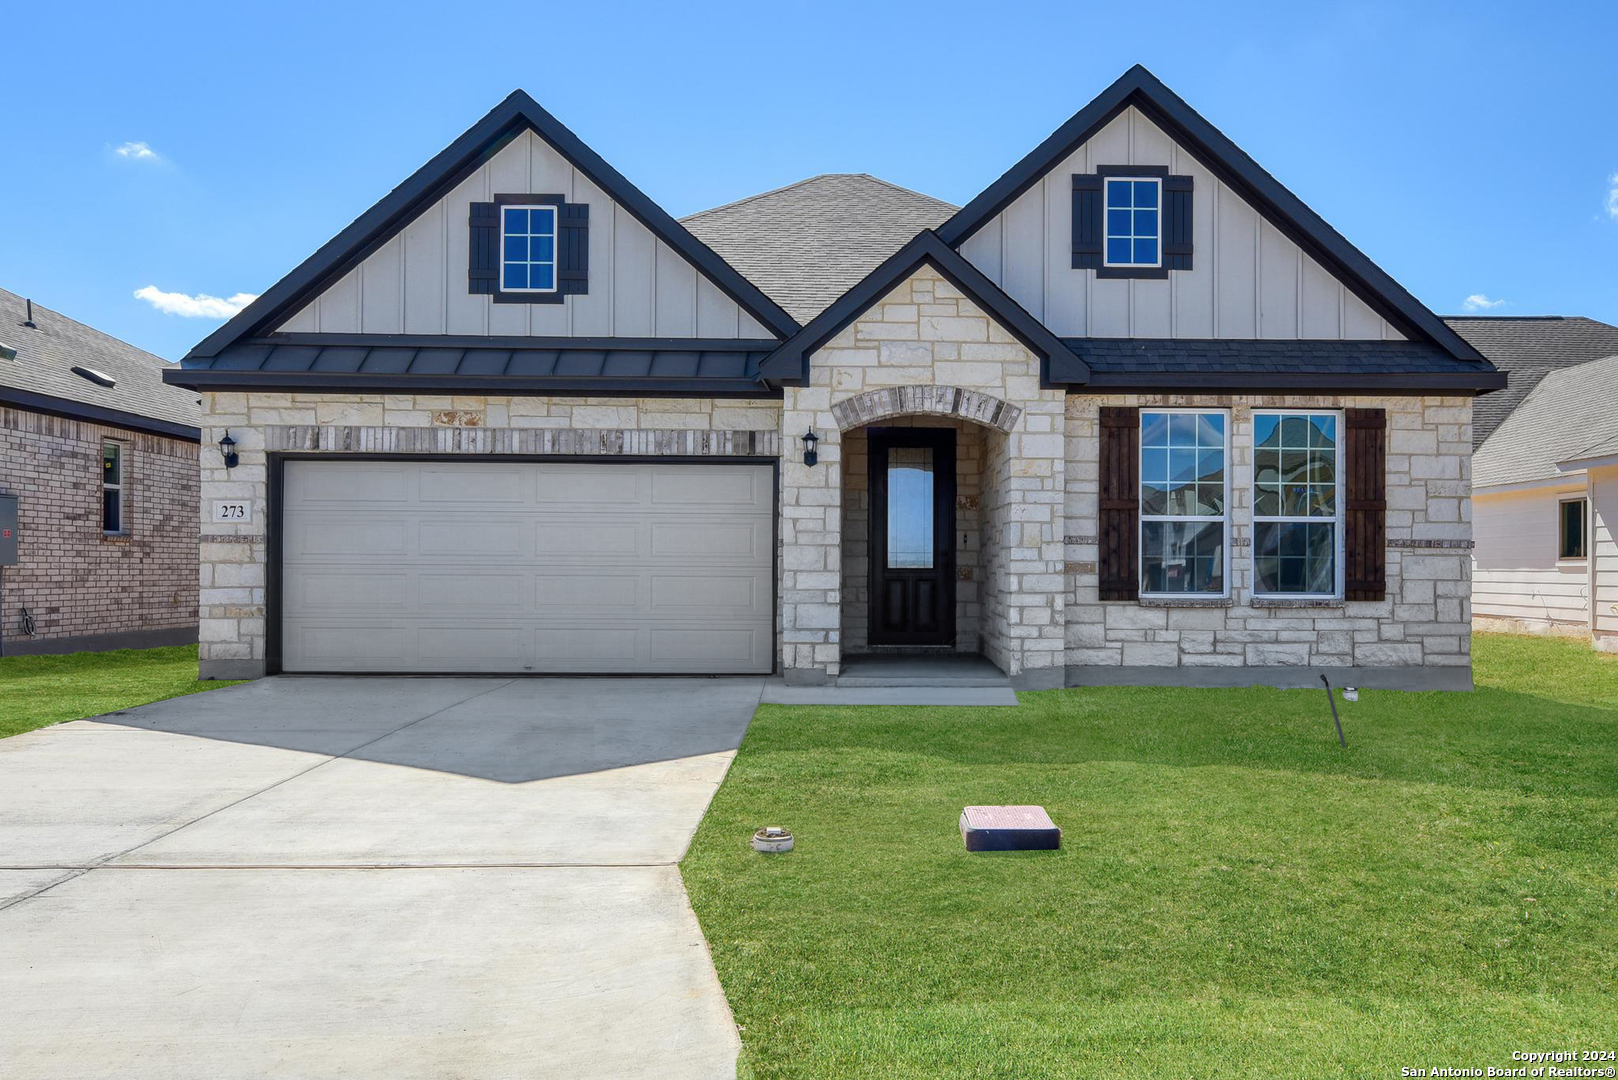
(516, 114)
(808, 243)
(1528, 348)
(1567, 418)
(790, 361)
(1227, 161)
(42, 379)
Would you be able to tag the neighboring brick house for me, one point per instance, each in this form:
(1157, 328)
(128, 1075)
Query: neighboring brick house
(102, 457)
(1545, 508)
(1134, 414)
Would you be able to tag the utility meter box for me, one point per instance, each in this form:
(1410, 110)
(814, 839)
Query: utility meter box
(8, 530)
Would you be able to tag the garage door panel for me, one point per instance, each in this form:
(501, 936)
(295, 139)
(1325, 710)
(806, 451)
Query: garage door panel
(518, 567)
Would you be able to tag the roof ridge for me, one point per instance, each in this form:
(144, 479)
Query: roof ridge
(763, 194)
(38, 307)
(905, 190)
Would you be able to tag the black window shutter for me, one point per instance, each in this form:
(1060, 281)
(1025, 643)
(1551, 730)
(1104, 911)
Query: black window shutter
(573, 249)
(1117, 570)
(1177, 222)
(483, 252)
(1086, 222)
(1365, 536)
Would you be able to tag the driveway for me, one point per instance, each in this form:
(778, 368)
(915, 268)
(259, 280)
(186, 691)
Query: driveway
(306, 877)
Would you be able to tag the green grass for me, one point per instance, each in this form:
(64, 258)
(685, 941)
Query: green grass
(1235, 895)
(36, 691)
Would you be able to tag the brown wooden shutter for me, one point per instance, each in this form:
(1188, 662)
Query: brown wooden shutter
(1117, 567)
(1365, 500)
(1087, 233)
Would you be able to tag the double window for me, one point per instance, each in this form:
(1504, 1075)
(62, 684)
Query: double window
(1184, 499)
(528, 248)
(1572, 526)
(1297, 504)
(112, 488)
(1133, 230)
(1185, 503)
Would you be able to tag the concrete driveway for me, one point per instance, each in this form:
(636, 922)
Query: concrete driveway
(305, 877)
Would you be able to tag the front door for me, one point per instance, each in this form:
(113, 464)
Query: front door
(912, 536)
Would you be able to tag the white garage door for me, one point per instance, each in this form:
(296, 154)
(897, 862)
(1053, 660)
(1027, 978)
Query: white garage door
(454, 566)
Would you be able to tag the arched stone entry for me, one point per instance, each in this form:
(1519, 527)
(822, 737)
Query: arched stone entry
(951, 401)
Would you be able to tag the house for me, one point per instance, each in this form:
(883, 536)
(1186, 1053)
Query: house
(101, 457)
(1545, 475)
(1134, 414)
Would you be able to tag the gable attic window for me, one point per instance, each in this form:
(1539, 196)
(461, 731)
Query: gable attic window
(1132, 220)
(528, 249)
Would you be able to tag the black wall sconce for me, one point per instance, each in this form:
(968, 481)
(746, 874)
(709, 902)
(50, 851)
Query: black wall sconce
(227, 447)
(809, 440)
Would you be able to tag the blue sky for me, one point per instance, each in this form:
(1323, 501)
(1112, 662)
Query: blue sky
(1471, 149)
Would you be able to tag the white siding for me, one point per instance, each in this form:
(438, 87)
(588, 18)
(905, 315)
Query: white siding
(1248, 280)
(1604, 521)
(1516, 573)
(416, 282)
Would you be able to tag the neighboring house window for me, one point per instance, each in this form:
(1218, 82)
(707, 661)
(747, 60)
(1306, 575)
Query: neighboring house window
(112, 488)
(1572, 529)
(528, 249)
(1297, 504)
(1183, 498)
(1133, 232)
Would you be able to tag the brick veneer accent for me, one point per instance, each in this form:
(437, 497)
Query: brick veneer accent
(74, 580)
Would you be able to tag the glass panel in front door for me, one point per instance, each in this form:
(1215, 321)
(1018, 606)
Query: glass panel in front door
(910, 508)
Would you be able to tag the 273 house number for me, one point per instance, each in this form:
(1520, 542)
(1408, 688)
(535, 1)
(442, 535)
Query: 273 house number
(233, 510)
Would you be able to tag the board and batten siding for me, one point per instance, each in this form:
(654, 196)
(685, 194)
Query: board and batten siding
(1516, 574)
(416, 282)
(1248, 279)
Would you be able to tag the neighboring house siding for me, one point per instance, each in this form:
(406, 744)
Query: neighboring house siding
(1424, 622)
(416, 283)
(1516, 575)
(1248, 280)
(234, 556)
(85, 589)
(1604, 519)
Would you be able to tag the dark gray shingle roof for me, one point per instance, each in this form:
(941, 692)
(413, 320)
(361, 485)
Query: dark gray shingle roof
(46, 357)
(1527, 348)
(808, 243)
(1572, 413)
(1196, 355)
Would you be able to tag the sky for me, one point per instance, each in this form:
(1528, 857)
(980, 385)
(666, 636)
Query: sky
(163, 163)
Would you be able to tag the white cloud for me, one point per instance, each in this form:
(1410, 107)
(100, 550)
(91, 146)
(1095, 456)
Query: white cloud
(201, 306)
(136, 151)
(1612, 196)
(1478, 302)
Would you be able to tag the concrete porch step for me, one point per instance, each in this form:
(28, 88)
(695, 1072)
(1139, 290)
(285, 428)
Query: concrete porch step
(933, 671)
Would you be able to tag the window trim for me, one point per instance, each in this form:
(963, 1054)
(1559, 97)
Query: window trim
(1141, 517)
(123, 470)
(1106, 234)
(1339, 552)
(556, 244)
(1584, 538)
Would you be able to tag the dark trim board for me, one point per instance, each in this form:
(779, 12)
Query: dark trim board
(473, 341)
(95, 414)
(275, 476)
(1151, 382)
(499, 385)
(505, 122)
(1230, 164)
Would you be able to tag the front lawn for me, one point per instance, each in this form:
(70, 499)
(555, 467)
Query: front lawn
(40, 690)
(1235, 894)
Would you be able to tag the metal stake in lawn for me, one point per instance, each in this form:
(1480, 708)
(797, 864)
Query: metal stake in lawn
(1333, 703)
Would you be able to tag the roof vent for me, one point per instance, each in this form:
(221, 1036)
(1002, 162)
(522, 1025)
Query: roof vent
(7, 352)
(29, 320)
(100, 378)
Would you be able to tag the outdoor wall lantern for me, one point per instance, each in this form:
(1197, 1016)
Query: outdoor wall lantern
(809, 440)
(227, 447)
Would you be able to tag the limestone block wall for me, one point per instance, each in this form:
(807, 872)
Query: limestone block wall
(970, 442)
(925, 350)
(1424, 622)
(233, 556)
(84, 588)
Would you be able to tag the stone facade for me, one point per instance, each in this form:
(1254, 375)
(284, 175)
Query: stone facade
(1423, 624)
(925, 350)
(86, 589)
(233, 556)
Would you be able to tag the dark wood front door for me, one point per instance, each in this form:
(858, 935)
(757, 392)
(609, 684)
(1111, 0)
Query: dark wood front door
(912, 536)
